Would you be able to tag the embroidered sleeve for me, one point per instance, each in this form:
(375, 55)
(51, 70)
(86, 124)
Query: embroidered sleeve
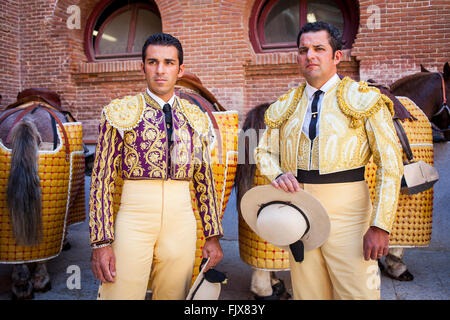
(267, 154)
(205, 193)
(106, 172)
(388, 157)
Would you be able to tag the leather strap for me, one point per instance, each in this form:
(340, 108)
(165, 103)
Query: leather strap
(443, 88)
(66, 139)
(404, 141)
(29, 109)
(22, 114)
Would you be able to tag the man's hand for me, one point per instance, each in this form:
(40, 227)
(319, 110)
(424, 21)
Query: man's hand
(375, 243)
(103, 264)
(286, 182)
(213, 250)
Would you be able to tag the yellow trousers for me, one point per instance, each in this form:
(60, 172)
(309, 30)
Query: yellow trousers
(155, 235)
(337, 270)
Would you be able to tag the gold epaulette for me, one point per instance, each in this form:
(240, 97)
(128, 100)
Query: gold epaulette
(126, 113)
(279, 111)
(358, 101)
(196, 118)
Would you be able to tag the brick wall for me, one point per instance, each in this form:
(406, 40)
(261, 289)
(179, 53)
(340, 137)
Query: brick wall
(9, 57)
(42, 51)
(411, 33)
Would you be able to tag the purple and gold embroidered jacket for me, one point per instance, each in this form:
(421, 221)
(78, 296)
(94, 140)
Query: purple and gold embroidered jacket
(133, 144)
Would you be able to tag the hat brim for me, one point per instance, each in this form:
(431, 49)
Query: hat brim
(212, 291)
(317, 216)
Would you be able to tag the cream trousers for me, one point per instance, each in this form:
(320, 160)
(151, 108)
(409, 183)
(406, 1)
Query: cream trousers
(155, 236)
(337, 270)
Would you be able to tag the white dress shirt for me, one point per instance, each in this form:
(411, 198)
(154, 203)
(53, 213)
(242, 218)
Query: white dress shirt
(160, 101)
(310, 90)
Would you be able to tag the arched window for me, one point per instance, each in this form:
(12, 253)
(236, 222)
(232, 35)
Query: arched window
(274, 24)
(118, 29)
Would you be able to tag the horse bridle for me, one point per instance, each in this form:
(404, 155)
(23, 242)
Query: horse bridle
(31, 109)
(444, 105)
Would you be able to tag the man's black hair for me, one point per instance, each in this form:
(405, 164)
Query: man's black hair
(334, 36)
(163, 39)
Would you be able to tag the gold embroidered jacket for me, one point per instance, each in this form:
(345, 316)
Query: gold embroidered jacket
(133, 144)
(355, 123)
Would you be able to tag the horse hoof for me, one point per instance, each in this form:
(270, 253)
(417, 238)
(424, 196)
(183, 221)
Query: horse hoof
(45, 288)
(405, 276)
(278, 292)
(15, 297)
(279, 288)
(271, 297)
(22, 291)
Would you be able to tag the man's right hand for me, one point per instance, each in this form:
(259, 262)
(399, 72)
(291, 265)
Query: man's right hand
(103, 264)
(286, 182)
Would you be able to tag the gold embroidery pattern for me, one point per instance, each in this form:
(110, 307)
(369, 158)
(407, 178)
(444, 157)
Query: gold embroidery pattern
(363, 86)
(206, 193)
(133, 165)
(277, 113)
(195, 116)
(126, 113)
(101, 210)
(181, 155)
(367, 107)
(153, 137)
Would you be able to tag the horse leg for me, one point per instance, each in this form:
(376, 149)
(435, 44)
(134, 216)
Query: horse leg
(66, 244)
(22, 287)
(266, 286)
(261, 284)
(41, 278)
(394, 267)
(278, 287)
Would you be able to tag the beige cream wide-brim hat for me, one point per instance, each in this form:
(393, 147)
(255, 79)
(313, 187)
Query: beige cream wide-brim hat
(202, 289)
(282, 218)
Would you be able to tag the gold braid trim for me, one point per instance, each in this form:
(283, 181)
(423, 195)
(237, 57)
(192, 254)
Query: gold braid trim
(126, 113)
(275, 119)
(195, 116)
(369, 105)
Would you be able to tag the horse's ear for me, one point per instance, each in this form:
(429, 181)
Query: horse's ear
(422, 69)
(446, 71)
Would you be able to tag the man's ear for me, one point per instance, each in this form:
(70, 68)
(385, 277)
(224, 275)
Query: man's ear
(338, 56)
(181, 71)
(142, 67)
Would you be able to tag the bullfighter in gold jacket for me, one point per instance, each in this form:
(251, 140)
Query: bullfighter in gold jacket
(320, 136)
(157, 143)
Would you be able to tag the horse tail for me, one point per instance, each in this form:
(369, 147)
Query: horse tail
(24, 191)
(245, 173)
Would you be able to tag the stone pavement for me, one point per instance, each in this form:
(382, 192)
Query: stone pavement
(430, 266)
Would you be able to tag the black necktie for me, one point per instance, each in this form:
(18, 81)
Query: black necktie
(168, 117)
(314, 113)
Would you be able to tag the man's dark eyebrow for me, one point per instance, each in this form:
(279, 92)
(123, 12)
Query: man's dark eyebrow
(315, 46)
(166, 60)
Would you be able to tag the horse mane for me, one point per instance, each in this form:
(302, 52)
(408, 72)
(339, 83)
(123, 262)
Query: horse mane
(245, 172)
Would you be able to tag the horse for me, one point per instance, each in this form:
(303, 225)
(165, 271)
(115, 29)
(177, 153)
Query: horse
(264, 284)
(429, 90)
(42, 186)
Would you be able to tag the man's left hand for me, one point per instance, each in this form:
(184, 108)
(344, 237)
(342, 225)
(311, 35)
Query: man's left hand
(375, 243)
(213, 250)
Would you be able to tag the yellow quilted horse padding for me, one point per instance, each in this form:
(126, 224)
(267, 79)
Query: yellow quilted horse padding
(63, 202)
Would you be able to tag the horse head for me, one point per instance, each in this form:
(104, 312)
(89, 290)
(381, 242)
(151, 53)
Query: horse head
(430, 91)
